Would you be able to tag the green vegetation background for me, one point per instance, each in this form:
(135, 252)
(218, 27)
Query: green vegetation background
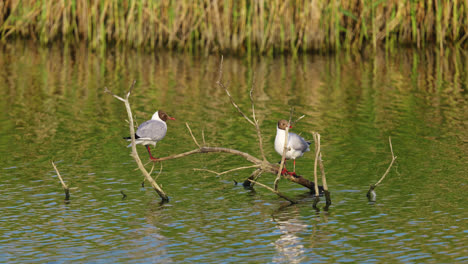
(239, 26)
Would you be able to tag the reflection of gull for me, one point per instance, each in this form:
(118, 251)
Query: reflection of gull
(289, 246)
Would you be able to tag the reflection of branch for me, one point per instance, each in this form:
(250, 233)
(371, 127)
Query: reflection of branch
(135, 156)
(64, 186)
(371, 194)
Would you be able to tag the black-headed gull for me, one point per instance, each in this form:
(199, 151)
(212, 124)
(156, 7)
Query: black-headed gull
(296, 144)
(151, 131)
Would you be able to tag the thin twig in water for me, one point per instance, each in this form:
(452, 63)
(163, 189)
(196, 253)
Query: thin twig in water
(64, 186)
(371, 195)
(391, 163)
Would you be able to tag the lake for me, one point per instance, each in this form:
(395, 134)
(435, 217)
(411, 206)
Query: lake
(54, 109)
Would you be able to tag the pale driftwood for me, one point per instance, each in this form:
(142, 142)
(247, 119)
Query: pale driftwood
(371, 195)
(134, 154)
(64, 186)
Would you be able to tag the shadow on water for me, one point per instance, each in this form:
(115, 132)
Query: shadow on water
(53, 108)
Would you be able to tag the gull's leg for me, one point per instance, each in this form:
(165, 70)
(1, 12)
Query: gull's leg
(149, 151)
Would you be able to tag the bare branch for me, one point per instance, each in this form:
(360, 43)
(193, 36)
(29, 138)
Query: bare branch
(135, 156)
(228, 171)
(131, 89)
(297, 120)
(106, 90)
(257, 127)
(194, 139)
(64, 186)
(160, 171)
(391, 163)
(220, 84)
(317, 154)
(371, 195)
(212, 149)
(203, 137)
(322, 170)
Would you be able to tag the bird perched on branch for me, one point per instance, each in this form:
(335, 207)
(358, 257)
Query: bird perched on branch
(152, 131)
(296, 147)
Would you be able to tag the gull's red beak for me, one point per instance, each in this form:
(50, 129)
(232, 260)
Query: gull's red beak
(171, 118)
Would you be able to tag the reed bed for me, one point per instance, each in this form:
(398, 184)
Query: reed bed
(239, 26)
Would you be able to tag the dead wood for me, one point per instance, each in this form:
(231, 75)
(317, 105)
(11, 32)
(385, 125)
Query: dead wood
(261, 165)
(134, 154)
(371, 195)
(64, 186)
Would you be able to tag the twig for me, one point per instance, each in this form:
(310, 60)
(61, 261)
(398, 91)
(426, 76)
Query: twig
(274, 191)
(257, 127)
(194, 139)
(391, 163)
(371, 193)
(297, 120)
(228, 171)
(317, 154)
(220, 83)
(64, 186)
(203, 137)
(160, 171)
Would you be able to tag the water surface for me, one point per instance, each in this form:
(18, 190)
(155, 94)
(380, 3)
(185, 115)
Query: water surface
(53, 108)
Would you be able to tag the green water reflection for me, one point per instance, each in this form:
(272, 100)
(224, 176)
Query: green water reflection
(53, 108)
